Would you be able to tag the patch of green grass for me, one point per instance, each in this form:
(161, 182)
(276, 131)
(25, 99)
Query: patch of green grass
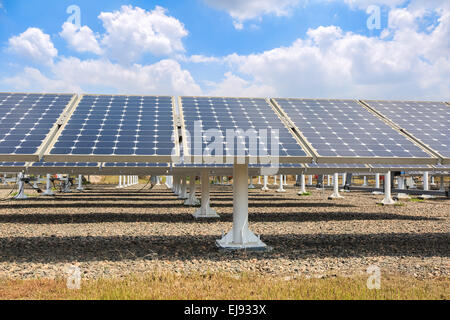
(416, 200)
(399, 204)
(305, 194)
(226, 286)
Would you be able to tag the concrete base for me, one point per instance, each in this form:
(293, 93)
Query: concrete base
(250, 242)
(403, 196)
(48, 193)
(205, 213)
(426, 196)
(377, 193)
(335, 197)
(388, 202)
(191, 202)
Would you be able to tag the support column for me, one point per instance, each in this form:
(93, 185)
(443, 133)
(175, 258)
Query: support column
(240, 236)
(302, 185)
(377, 184)
(192, 199)
(21, 193)
(120, 186)
(205, 210)
(365, 182)
(275, 181)
(35, 183)
(266, 181)
(281, 188)
(251, 186)
(48, 190)
(329, 180)
(183, 191)
(310, 180)
(335, 194)
(426, 186)
(344, 177)
(387, 190)
(285, 180)
(80, 183)
(158, 181)
(441, 184)
(401, 186)
(259, 180)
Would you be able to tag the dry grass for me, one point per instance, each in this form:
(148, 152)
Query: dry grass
(225, 286)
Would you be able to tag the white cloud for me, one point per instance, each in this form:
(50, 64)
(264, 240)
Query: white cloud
(81, 39)
(132, 32)
(235, 86)
(34, 45)
(75, 75)
(410, 64)
(241, 10)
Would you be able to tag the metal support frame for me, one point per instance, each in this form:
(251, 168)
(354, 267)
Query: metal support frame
(240, 236)
(251, 186)
(66, 185)
(158, 181)
(335, 194)
(426, 186)
(275, 181)
(21, 186)
(192, 199)
(183, 189)
(302, 185)
(48, 190)
(205, 210)
(377, 184)
(120, 185)
(80, 183)
(266, 182)
(401, 186)
(387, 190)
(281, 188)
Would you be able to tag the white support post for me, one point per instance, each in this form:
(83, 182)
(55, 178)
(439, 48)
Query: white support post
(310, 180)
(401, 186)
(21, 193)
(240, 236)
(177, 186)
(365, 182)
(265, 186)
(120, 185)
(251, 186)
(387, 201)
(441, 184)
(433, 183)
(259, 180)
(205, 210)
(344, 177)
(426, 186)
(183, 191)
(66, 185)
(35, 183)
(302, 185)
(335, 194)
(48, 190)
(192, 199)
(80, 183)
(329, 180)
(281, 189)
(377, 184)
(275, 181)
(158, 181)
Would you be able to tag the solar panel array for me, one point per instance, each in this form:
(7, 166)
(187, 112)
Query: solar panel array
(26, 120)
(132, 126)
(237, 113)
(65, 164)
(429, 122)
(135, 165)
(346, 130)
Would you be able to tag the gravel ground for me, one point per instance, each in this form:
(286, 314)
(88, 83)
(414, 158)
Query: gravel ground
(112, 233)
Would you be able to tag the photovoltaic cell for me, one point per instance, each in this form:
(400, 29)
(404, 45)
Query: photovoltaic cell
(27, 119)
(345, 129)
(237, 114)
(118, 126)
(429, 122)
(135, 165)
(65, 164)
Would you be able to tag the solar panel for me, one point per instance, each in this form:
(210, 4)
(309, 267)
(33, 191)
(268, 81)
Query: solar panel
(428, 122)
(399, 167)
(118, 129)
(28, 122)
(222, 114)
(344, 131)
(12, 166)
(44, 167)
(327, 168)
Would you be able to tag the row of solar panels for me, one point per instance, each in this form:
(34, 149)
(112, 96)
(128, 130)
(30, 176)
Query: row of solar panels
(113, 128)
(94, 168)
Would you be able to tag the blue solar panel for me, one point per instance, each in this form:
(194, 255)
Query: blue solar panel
(65, 164)
(118, 126)
(429, 122)
(336, 166)
(135, 165)
(26, 120)
(12, 164)
(237, 113)
(345, 129)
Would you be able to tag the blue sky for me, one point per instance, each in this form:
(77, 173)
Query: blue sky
(296, 48)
